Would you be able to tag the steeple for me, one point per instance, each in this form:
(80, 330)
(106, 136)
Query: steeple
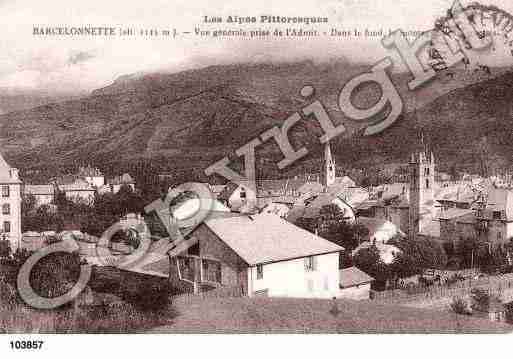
(328, 173)
(422, 184)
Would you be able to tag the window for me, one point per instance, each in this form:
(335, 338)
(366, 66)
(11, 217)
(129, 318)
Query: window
(260, 271)
(5, 191)
(242, 193)
(427, 183)
(496, 214)
(499, 236)
(7, 226)
(310, 264)
(6, 208)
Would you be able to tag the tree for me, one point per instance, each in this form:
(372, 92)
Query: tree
(369, 261)
(421, 253)
(331, 225)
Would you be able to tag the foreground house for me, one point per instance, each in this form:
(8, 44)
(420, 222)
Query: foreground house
(262, 255)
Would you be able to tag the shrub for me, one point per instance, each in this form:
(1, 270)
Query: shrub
(8, 297)
(460, 306)
(55, 274)
(5, 249)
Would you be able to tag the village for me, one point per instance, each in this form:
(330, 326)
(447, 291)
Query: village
(428, 241)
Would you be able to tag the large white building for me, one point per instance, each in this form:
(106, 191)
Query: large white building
(10, 203)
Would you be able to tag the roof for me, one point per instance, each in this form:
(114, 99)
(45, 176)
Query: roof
(391, 190)
(125, 178)
(89, 172)
(3, 163)
(6, 172)
(266, 238)
(313, 209)
(469, 218)
(457, 193)
(453, 213)
(311, 187)
(352, 276)
(77, 185)
(39, 189)
(66, 179)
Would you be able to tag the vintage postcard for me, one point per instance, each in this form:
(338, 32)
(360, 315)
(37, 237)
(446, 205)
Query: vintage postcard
(190, 167)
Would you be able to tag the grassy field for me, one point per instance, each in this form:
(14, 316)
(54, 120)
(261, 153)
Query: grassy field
(287, 315)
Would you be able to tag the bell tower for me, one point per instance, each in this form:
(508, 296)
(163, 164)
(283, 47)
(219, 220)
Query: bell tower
(328, 174)
(422, 183)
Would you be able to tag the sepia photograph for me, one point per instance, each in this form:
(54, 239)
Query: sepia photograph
(320, 167)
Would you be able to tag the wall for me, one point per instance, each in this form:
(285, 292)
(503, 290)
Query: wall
(78, 196)
(289, 278)
(42, 199)
(233, 268)
(14, 217)
(494, 229)
(400, 217)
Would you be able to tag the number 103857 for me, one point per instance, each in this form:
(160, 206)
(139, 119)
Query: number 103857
(26, 344)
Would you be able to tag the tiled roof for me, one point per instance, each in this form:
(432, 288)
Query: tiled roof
(311, 187)
(89, 172)
(352, 276)
(266, 238)
(123, 179)
(469, 218)
(39, 189)
(453, 213)
(77, 185)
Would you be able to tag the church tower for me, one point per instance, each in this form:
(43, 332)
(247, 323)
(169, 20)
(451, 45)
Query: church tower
(328, 174)
(10, 203)
(422, 184)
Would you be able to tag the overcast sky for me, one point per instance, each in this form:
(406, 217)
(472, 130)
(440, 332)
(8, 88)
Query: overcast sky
(82, 64)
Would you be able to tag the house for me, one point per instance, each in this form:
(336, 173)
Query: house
(93, 176)
(43, 193)
(291, 190)
(76, 189)
(32, 241)
(491, 222)
(117, 182)
(354, 283)
(263, 254)
(10, 202)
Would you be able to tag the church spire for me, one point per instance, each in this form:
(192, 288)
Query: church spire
(328, 167)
